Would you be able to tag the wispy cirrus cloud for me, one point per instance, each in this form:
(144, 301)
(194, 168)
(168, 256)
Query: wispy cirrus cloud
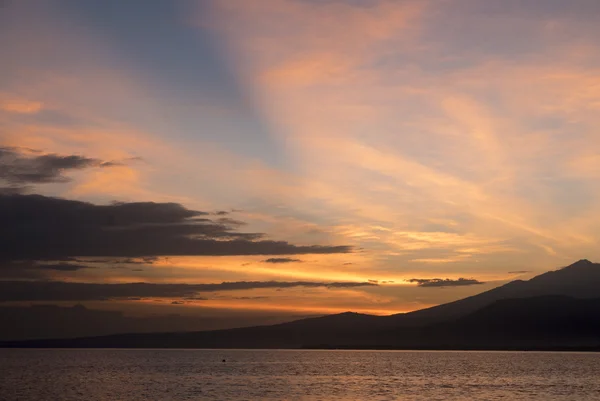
(427, 114)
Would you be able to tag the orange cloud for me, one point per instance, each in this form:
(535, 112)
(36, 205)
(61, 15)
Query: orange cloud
(20, 106)
(376, 140)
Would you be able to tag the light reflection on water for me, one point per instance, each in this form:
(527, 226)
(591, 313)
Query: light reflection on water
(300, 375)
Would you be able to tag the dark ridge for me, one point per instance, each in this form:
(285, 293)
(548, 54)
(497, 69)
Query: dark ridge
(558, 310)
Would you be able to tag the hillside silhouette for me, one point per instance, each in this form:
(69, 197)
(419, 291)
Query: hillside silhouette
(555, 310)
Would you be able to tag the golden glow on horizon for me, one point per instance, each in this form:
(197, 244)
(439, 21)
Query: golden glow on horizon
(300, 307)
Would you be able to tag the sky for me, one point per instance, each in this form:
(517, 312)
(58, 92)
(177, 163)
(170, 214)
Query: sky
(282, 158)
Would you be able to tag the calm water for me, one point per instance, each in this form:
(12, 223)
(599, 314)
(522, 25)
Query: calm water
(296, 375)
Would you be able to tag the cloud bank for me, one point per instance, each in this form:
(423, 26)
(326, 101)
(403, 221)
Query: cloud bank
(11, 291)
(37, 227)
(20, 166)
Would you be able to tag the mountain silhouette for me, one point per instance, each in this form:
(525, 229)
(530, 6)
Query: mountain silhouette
(555, 310)
(579, 280)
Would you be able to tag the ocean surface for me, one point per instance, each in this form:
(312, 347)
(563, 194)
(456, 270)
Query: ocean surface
(124, 375)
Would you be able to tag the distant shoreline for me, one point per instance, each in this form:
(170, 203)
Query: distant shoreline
(42, 345)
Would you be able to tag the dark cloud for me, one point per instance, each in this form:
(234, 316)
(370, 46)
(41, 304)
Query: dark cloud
(438, 282)
(231, 222)
(221, 213)
(111, 164)
(281, 260)
(520, 272)
(177, 302)
(66, 267)
(116, 261)
(21, 166)
(72, 291)
(31, 269)
(36, 227)
(374, 281)
(41, 269)
(123, 162)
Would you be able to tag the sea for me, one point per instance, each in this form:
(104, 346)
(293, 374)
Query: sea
(154, 374)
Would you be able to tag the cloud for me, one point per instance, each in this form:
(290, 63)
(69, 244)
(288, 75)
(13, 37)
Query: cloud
(69, 291)
(37, 227)
(282, 260)
(460, 108)
(438, 282)
(20, 166)
(42, 269)
(230, 222)
(65, 267)
(116, 261)
(20, 106)
(520, 272)
(34, 269)
(122, 162)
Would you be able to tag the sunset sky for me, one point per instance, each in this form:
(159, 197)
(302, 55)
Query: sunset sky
(304, 156)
